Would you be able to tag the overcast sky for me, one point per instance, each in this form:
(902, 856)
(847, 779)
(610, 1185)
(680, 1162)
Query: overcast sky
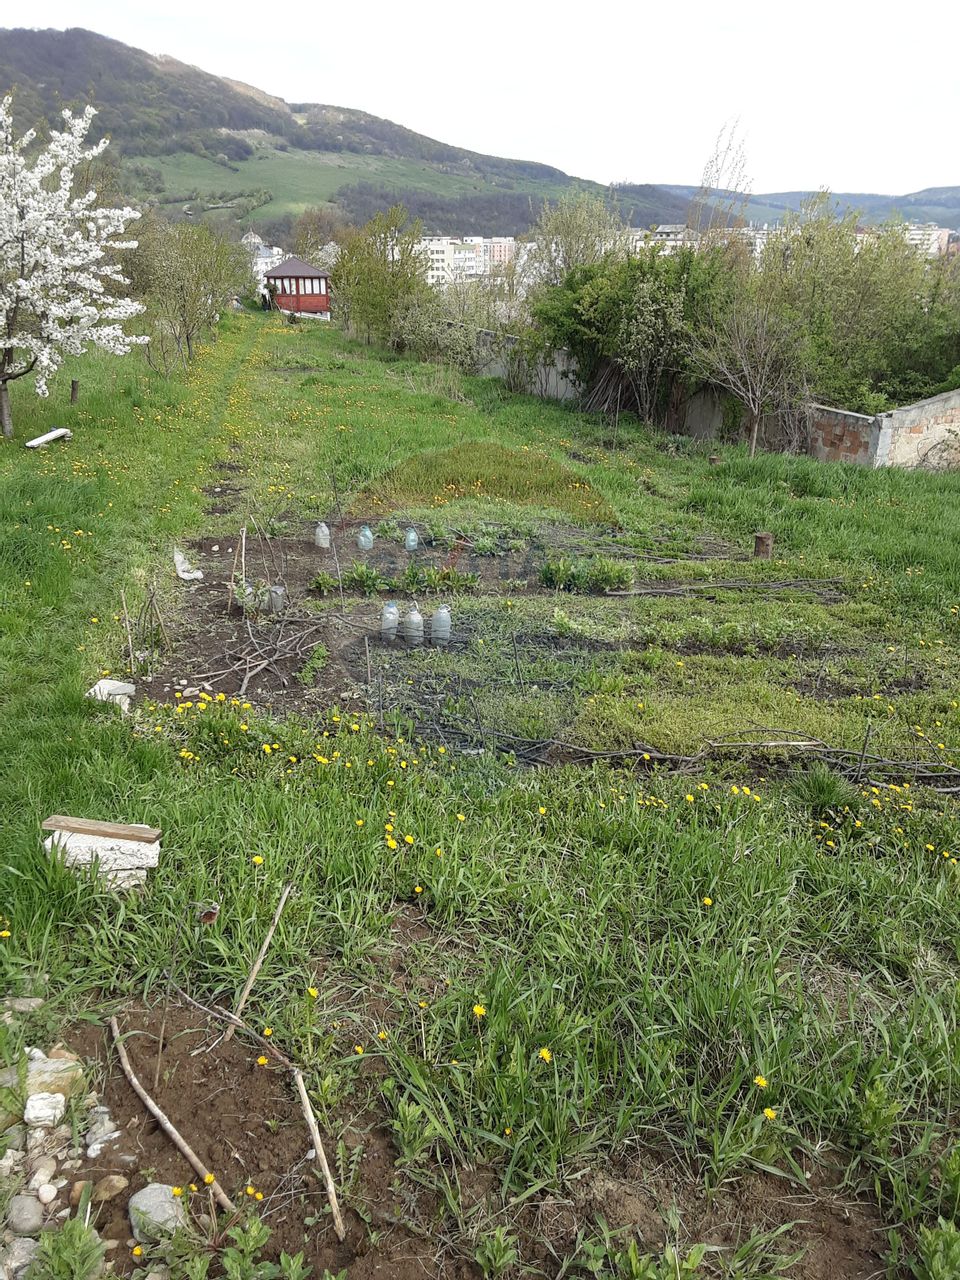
(850, 96)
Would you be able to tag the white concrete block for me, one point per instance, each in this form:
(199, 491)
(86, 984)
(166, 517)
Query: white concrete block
(118, 691)
(123, 863)
(59, 433)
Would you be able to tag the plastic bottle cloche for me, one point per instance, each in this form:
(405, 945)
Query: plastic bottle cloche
(411, 539)
(413, 628)
(321, 537)
(365, 539)
(389, 622)
(440, 625)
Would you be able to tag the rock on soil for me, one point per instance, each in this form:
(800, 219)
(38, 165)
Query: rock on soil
(155, 1211)
(15, 1259)
(109, 1187)
(44, 1110)
(25, 1215)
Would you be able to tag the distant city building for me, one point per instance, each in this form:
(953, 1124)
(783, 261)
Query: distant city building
(262, 257)
(452, 259)
(927, 238)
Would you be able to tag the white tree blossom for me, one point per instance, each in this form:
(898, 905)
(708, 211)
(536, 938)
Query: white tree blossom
(57, 259)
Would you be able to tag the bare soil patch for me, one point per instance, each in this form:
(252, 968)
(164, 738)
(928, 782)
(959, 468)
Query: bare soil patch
(244, 1122)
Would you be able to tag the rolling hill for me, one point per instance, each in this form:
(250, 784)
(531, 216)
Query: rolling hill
(188, 138)
(934, 204)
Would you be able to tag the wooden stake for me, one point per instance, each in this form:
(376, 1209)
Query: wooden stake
(714, 459)
(126, 623)
(74, 390)
(763, 546)
(223, 1200)
(311, 1120)
(248, 985)
(366, 646)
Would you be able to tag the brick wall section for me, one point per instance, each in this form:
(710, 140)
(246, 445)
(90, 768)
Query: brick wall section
(922, 434)
(839, 436)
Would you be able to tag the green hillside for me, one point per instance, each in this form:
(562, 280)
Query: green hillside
(188, 139)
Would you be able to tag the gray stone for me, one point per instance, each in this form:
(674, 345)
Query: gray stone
(23, 1004)
(15, 1137)
(155, 1211)
(42, 1171)
(10, 1163)
(25, 1215)
(17, 1256)
(44, 1110)
(47, 1193)
(43, 1076)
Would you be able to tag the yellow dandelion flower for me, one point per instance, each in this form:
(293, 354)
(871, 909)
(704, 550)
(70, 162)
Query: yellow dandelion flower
(545, 1054)
(176, 1191)
(418, 888)
(358, 1049)
(249, 1190)
(708, 902)
(262, 1061)
(479, 1011)
(770, 1113)
(760, 1081)
(312, 992)
(257, 860)
(209, 1179)
(268, 1031)
(137, 1251)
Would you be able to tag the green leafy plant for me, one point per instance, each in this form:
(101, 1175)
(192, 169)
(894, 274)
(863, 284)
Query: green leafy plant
(497, 1252)
(414, 1129)
(939, 1252)
(75, 1252)
(363, 578)
(326, 584)
(594, 575)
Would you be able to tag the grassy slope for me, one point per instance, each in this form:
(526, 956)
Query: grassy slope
(826, 959)
(303, 178)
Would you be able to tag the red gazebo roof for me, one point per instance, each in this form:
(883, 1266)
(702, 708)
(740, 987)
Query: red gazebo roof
(296, 267)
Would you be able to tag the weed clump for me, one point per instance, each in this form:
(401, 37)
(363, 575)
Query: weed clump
(589, 576)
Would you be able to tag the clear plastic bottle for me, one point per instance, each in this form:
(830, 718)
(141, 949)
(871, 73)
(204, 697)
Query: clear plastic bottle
(440, 626)
(411, 539)
(413, 628)
(365, 539)
(389, 622)
(321, 537)
(276, 598)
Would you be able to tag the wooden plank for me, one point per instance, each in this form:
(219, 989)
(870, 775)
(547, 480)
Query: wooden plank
(112, 830)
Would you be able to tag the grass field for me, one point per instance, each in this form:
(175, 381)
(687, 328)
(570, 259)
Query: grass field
(307, 178)
(591, 1014)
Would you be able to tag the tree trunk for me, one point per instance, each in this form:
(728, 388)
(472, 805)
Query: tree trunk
(6, 418)
(189, 345)
(754, 428)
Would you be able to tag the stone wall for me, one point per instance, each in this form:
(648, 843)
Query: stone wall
(925, 434)
(552, 379)
(839, 436)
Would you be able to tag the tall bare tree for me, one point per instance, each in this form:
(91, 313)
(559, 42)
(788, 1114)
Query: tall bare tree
(753, 350)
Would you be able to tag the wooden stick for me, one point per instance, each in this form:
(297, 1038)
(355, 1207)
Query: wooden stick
(126, 623)
(223, 1200)
(248, 985)
(311, 1120)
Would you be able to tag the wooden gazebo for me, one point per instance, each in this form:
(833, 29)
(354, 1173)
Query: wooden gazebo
(296, 286)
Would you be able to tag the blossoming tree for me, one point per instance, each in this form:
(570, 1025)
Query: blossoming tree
(57, 263)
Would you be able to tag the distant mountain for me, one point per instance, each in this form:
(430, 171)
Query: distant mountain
(933, 204)
(197, 141)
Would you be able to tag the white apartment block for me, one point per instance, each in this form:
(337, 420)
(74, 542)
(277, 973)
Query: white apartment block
(927, 238)
(451, 259)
